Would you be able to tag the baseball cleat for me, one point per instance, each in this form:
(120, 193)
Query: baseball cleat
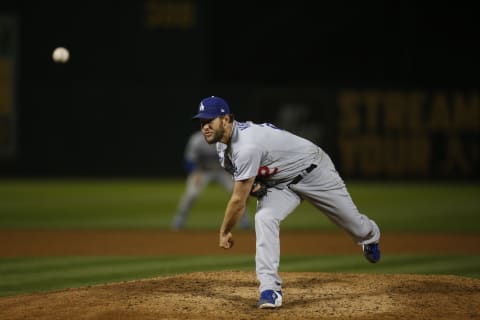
(177, 224)
(371, 252)
(270, 299)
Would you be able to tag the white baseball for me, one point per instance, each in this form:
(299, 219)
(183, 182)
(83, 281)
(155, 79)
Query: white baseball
(60, 55)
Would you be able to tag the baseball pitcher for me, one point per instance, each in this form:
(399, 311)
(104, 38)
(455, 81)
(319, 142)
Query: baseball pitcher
(280, 169)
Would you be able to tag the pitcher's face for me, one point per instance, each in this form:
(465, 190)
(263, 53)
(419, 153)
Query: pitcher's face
(213, 130)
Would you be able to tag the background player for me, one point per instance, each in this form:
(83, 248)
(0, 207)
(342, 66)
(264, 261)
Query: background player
(202, 167)
(281, 169)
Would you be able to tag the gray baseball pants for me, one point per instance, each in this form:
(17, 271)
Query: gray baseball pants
(325, 190)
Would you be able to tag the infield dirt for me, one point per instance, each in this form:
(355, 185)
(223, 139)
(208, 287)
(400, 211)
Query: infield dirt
(232, 294)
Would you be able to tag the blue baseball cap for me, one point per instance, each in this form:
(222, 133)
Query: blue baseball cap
(211, 108)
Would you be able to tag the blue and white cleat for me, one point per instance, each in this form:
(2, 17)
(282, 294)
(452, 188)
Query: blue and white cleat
(371, 252)
(270, 299)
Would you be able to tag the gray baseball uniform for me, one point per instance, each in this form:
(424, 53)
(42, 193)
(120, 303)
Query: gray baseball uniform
(280, 157)
(205, 169)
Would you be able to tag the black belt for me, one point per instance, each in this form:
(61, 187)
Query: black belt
(302, 174)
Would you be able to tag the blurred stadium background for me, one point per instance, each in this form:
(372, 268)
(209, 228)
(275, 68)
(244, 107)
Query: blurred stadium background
(389, 90)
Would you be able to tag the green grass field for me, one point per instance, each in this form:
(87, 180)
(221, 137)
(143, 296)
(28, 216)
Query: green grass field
(100, 204)
(422, 207)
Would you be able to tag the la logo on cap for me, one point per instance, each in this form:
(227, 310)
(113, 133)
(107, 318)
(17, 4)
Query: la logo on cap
(212, 107)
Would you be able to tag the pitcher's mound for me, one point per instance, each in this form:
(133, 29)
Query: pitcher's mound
(233, 294)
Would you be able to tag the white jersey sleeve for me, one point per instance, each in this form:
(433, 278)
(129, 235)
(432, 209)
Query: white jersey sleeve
(247, 162)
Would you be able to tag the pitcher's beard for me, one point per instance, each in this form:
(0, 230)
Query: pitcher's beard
(216, 137)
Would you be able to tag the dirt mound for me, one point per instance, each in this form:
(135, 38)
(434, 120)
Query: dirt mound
(232, 295)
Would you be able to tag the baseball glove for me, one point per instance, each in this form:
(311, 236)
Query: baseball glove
(259, 189)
